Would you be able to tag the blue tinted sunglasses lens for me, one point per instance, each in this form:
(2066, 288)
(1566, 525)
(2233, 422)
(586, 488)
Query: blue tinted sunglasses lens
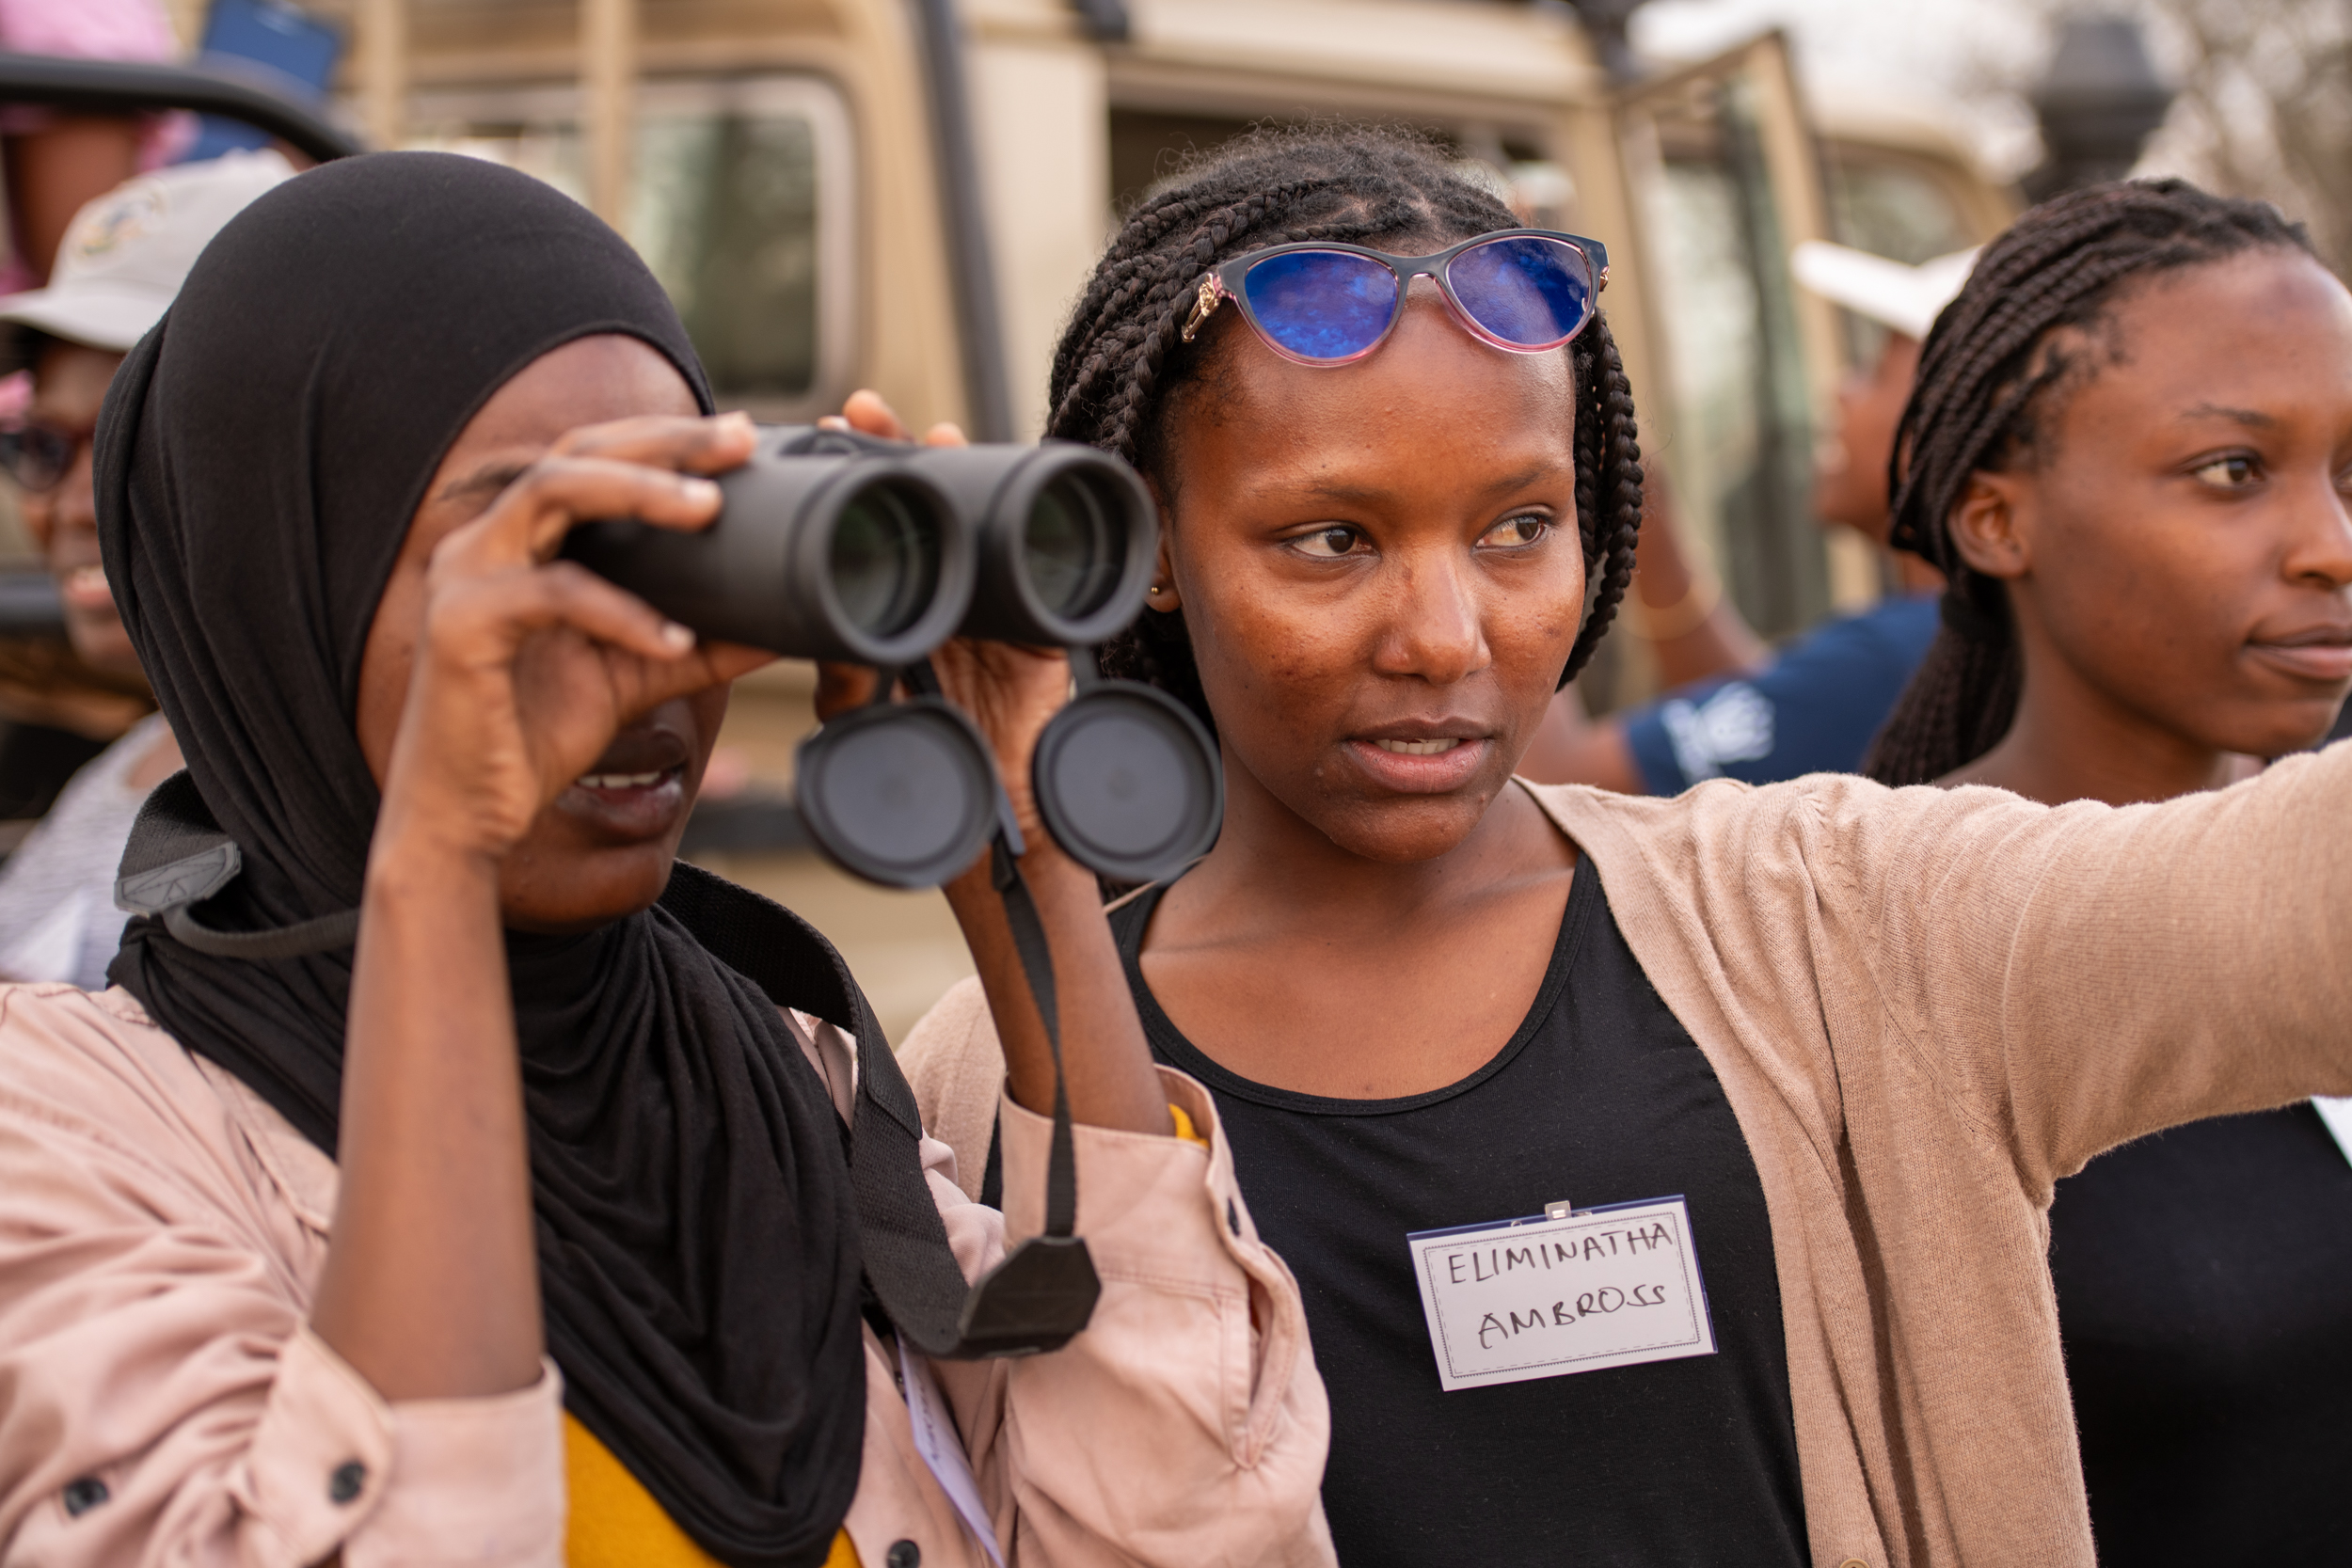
(1321, 304)
(1526, 292)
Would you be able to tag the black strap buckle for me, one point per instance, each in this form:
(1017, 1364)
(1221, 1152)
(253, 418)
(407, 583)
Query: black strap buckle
(1044, 1293)
(176, 858)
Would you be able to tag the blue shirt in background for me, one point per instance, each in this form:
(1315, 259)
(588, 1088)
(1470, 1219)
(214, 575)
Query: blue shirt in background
(1815, 709)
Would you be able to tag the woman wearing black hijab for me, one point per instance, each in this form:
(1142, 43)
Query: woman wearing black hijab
(424, 1072)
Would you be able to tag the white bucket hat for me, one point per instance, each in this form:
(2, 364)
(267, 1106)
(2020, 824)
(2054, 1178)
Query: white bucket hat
(1906, 298)
(123, 259)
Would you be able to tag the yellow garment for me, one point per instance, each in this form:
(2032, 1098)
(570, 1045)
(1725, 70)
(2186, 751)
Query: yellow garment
(615, 1523)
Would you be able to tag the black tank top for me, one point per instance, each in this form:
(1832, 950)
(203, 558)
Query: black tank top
(2205, 1291)
(1601, 1096)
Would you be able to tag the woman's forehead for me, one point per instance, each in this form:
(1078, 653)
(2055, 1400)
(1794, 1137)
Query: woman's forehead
(2262, 329)
(587, 381)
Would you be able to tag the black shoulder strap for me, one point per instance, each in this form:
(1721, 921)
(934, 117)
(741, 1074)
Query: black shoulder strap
(905, 1245)
(1040, 1295)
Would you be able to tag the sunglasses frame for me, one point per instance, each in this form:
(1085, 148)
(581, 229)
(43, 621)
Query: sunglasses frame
(1225, 281)
(15, 452)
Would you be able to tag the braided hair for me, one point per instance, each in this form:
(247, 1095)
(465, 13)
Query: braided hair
(1992, 374)
(1121, 364)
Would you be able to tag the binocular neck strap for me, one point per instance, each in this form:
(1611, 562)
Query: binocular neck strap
(328, 933)
(1037, 964)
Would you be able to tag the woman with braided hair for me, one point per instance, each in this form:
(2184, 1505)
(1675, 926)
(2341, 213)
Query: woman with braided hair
(1664, 1179)
(2130, 450)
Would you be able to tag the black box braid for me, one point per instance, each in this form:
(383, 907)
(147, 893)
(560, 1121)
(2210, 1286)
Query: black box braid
(1990, 379)
(1121, 359)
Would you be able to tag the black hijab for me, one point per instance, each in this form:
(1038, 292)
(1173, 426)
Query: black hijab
(261, 454)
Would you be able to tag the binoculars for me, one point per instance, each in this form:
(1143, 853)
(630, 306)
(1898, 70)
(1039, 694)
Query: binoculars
(834, 545)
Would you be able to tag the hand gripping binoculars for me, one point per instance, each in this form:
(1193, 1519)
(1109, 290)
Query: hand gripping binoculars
(836, 546)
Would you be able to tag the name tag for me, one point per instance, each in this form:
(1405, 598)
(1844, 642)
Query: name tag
(1568, 1290)
(935, 1439)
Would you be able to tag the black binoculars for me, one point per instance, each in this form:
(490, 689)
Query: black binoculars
(834, 545)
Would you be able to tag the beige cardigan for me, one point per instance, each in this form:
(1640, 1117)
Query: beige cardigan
(1926, 1006)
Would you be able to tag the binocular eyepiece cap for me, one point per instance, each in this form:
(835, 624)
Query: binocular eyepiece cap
(901, 793)
(1127, 781)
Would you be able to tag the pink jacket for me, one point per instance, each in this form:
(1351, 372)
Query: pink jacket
(162, 1399)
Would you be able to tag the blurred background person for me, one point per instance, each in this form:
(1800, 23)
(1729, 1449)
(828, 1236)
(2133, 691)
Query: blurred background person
(56, 161)
(117, 270)
(1735, 709)
(2129, 449)
(57, 713)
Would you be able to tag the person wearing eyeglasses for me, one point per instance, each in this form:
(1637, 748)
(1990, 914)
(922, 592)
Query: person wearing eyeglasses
(117, 270)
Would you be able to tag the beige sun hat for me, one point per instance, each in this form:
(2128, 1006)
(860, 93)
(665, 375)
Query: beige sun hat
(127, 252)
(1906, 298)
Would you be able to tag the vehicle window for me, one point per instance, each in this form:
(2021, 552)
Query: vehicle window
(1894, 209)
(1738, 435)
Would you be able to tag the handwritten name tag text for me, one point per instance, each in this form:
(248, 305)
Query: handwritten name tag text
(1543, 1297)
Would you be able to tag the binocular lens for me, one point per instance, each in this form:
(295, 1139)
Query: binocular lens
(884, 560)
(1069, 548)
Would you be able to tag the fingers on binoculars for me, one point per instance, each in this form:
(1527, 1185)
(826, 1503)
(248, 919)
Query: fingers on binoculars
(529, 521)
(699, 445)
(507, 607)
(866, 413)
(728, 661)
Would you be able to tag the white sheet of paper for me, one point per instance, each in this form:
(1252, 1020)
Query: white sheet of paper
(2337, 1114)
(942, 1449)
(1540, 1297)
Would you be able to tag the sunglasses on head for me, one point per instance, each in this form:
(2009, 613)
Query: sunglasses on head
(38, 455)
(1525, 290)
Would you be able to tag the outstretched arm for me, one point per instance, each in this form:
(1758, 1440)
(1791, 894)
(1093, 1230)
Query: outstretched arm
(2083, 975)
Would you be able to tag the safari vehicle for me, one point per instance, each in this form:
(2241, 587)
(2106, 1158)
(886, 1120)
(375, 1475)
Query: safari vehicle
(909, 195)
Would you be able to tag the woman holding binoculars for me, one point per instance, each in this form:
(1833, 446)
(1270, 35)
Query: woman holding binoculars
(1666, 1180)
(428, 1189)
